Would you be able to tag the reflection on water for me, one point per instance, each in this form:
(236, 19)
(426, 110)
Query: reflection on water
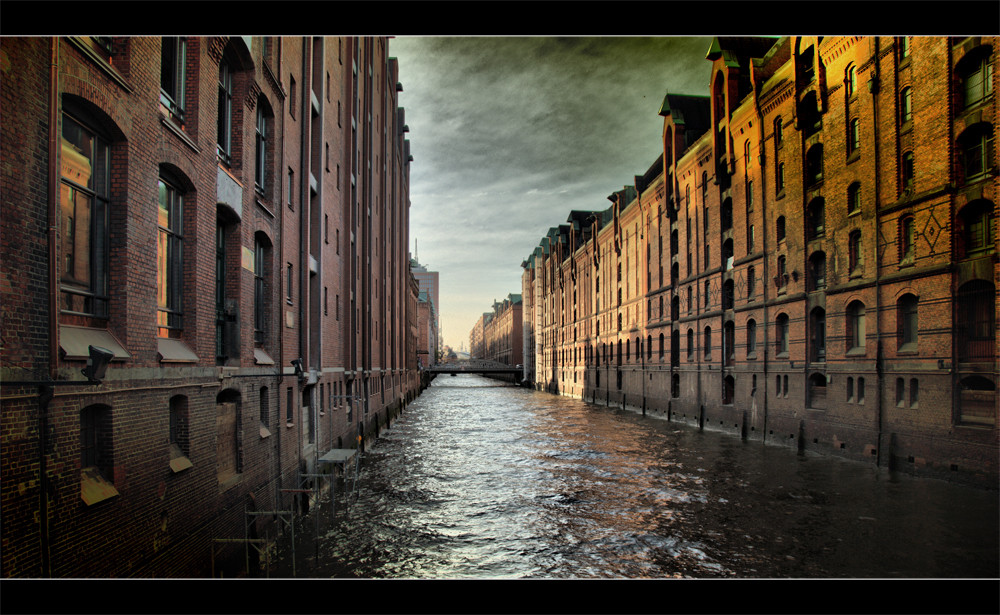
(479, 480)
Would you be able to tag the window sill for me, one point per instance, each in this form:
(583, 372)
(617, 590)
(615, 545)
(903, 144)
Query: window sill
(853, 156)
(908, 349)
(751, 356)
(264, 432)
(95, 488)
(289, 425)
(781, 355)
(856, 352)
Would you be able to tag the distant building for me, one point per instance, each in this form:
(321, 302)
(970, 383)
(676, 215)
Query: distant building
(497, 335)
(430, 283)
(811, 259)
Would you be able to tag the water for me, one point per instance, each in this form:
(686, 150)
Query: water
(477, 480)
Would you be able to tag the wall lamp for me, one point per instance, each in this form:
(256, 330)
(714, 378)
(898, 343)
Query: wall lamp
(297, 364)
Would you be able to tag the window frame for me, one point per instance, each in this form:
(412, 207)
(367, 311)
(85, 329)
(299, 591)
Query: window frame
(170, 266)
(174, 77)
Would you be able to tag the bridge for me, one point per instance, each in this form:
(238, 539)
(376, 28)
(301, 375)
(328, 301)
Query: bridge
(475, 366)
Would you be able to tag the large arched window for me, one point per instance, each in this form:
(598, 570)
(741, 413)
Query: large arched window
(975, 72)
(976, 145)
(977, 222)
(85, 209)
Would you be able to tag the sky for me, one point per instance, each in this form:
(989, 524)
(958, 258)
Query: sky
(508, 135)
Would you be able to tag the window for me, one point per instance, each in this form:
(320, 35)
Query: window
(261, 267)
(977, 221)
(904, 47)
(780, 228)
(854, 198)
(708, 342)
(708, 293)
(976, 145)
(975, 315)
(782, 271)
(690, 344)
(851, 81)
(814, 165)
(854, 254)
(289, 283)
(728, 295)
(290, 406)
(291, 96)
(914, 393)
(856, 326)
(661, 347)
(746, 156)
(704, 186)
(750, 239)
(727, 212)
(854, 138)
(781, 332)
(85, 210)
(817, 325)
(169, 263)
(975, 71)
(779, 181)
(262, 146)
(778, 134)
(908, 170)
(900, 392)
(861, 390)
(749, 200)
(907, 239)
(850, 389)
(173, 59)
(817, 218)
(817, 271)
(751, 281)
(179, 439)
(265, 407)
(905, 105)
(728, 257)
(751, 338)
(96, 454)
(225, 114)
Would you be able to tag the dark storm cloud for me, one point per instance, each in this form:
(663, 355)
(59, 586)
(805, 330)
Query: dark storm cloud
(511, 134)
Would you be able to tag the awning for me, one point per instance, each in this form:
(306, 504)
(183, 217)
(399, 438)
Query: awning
(174, 351)
(75, 342)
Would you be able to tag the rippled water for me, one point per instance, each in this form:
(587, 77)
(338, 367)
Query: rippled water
(480, 480)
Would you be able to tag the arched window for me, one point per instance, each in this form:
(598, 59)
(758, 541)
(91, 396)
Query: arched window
(780, 228)
(907, 239)
(817, 391)
(708, 342)
(728, 390)
(729, 342)
(906, 322)
(817, 271)
(751, 281)
(854, 253)
(975, 72)
(746, 156)
(977, 222)
(854, 198)
(854, 136)
(661, 347)
(977, 401)
(907, 170)
(814, 165)
(169, 258)
(727, 213)
(781, 334)
(727, 255)
(751, 338)
(816, 214)
(779, 180)
(976, 144)
(262, 155)
(728, 295)
(778, 134)
(704, 186)
(224, 127)
(817, 330)
(851, 80)
(856, 326)
(85, 208)
(905, 105)
(690, 344)
(262, 266)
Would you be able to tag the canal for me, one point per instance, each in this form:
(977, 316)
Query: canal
(481, 480)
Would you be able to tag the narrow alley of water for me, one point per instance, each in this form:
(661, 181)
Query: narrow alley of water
(481, 480)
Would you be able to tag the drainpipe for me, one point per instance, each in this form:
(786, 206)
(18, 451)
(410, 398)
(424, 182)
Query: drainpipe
(764, 236)
(45, 392)
(874, 88)
(278, 313)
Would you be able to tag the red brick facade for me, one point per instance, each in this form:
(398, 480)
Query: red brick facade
(811, 260)
(287, 241)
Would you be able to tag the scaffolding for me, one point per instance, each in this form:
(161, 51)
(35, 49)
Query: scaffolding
(262, 545)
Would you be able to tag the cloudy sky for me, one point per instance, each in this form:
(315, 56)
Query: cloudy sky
(508, 135)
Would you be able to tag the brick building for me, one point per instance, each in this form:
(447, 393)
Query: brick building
(811, 259)
(498, 336)
(229, 217)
